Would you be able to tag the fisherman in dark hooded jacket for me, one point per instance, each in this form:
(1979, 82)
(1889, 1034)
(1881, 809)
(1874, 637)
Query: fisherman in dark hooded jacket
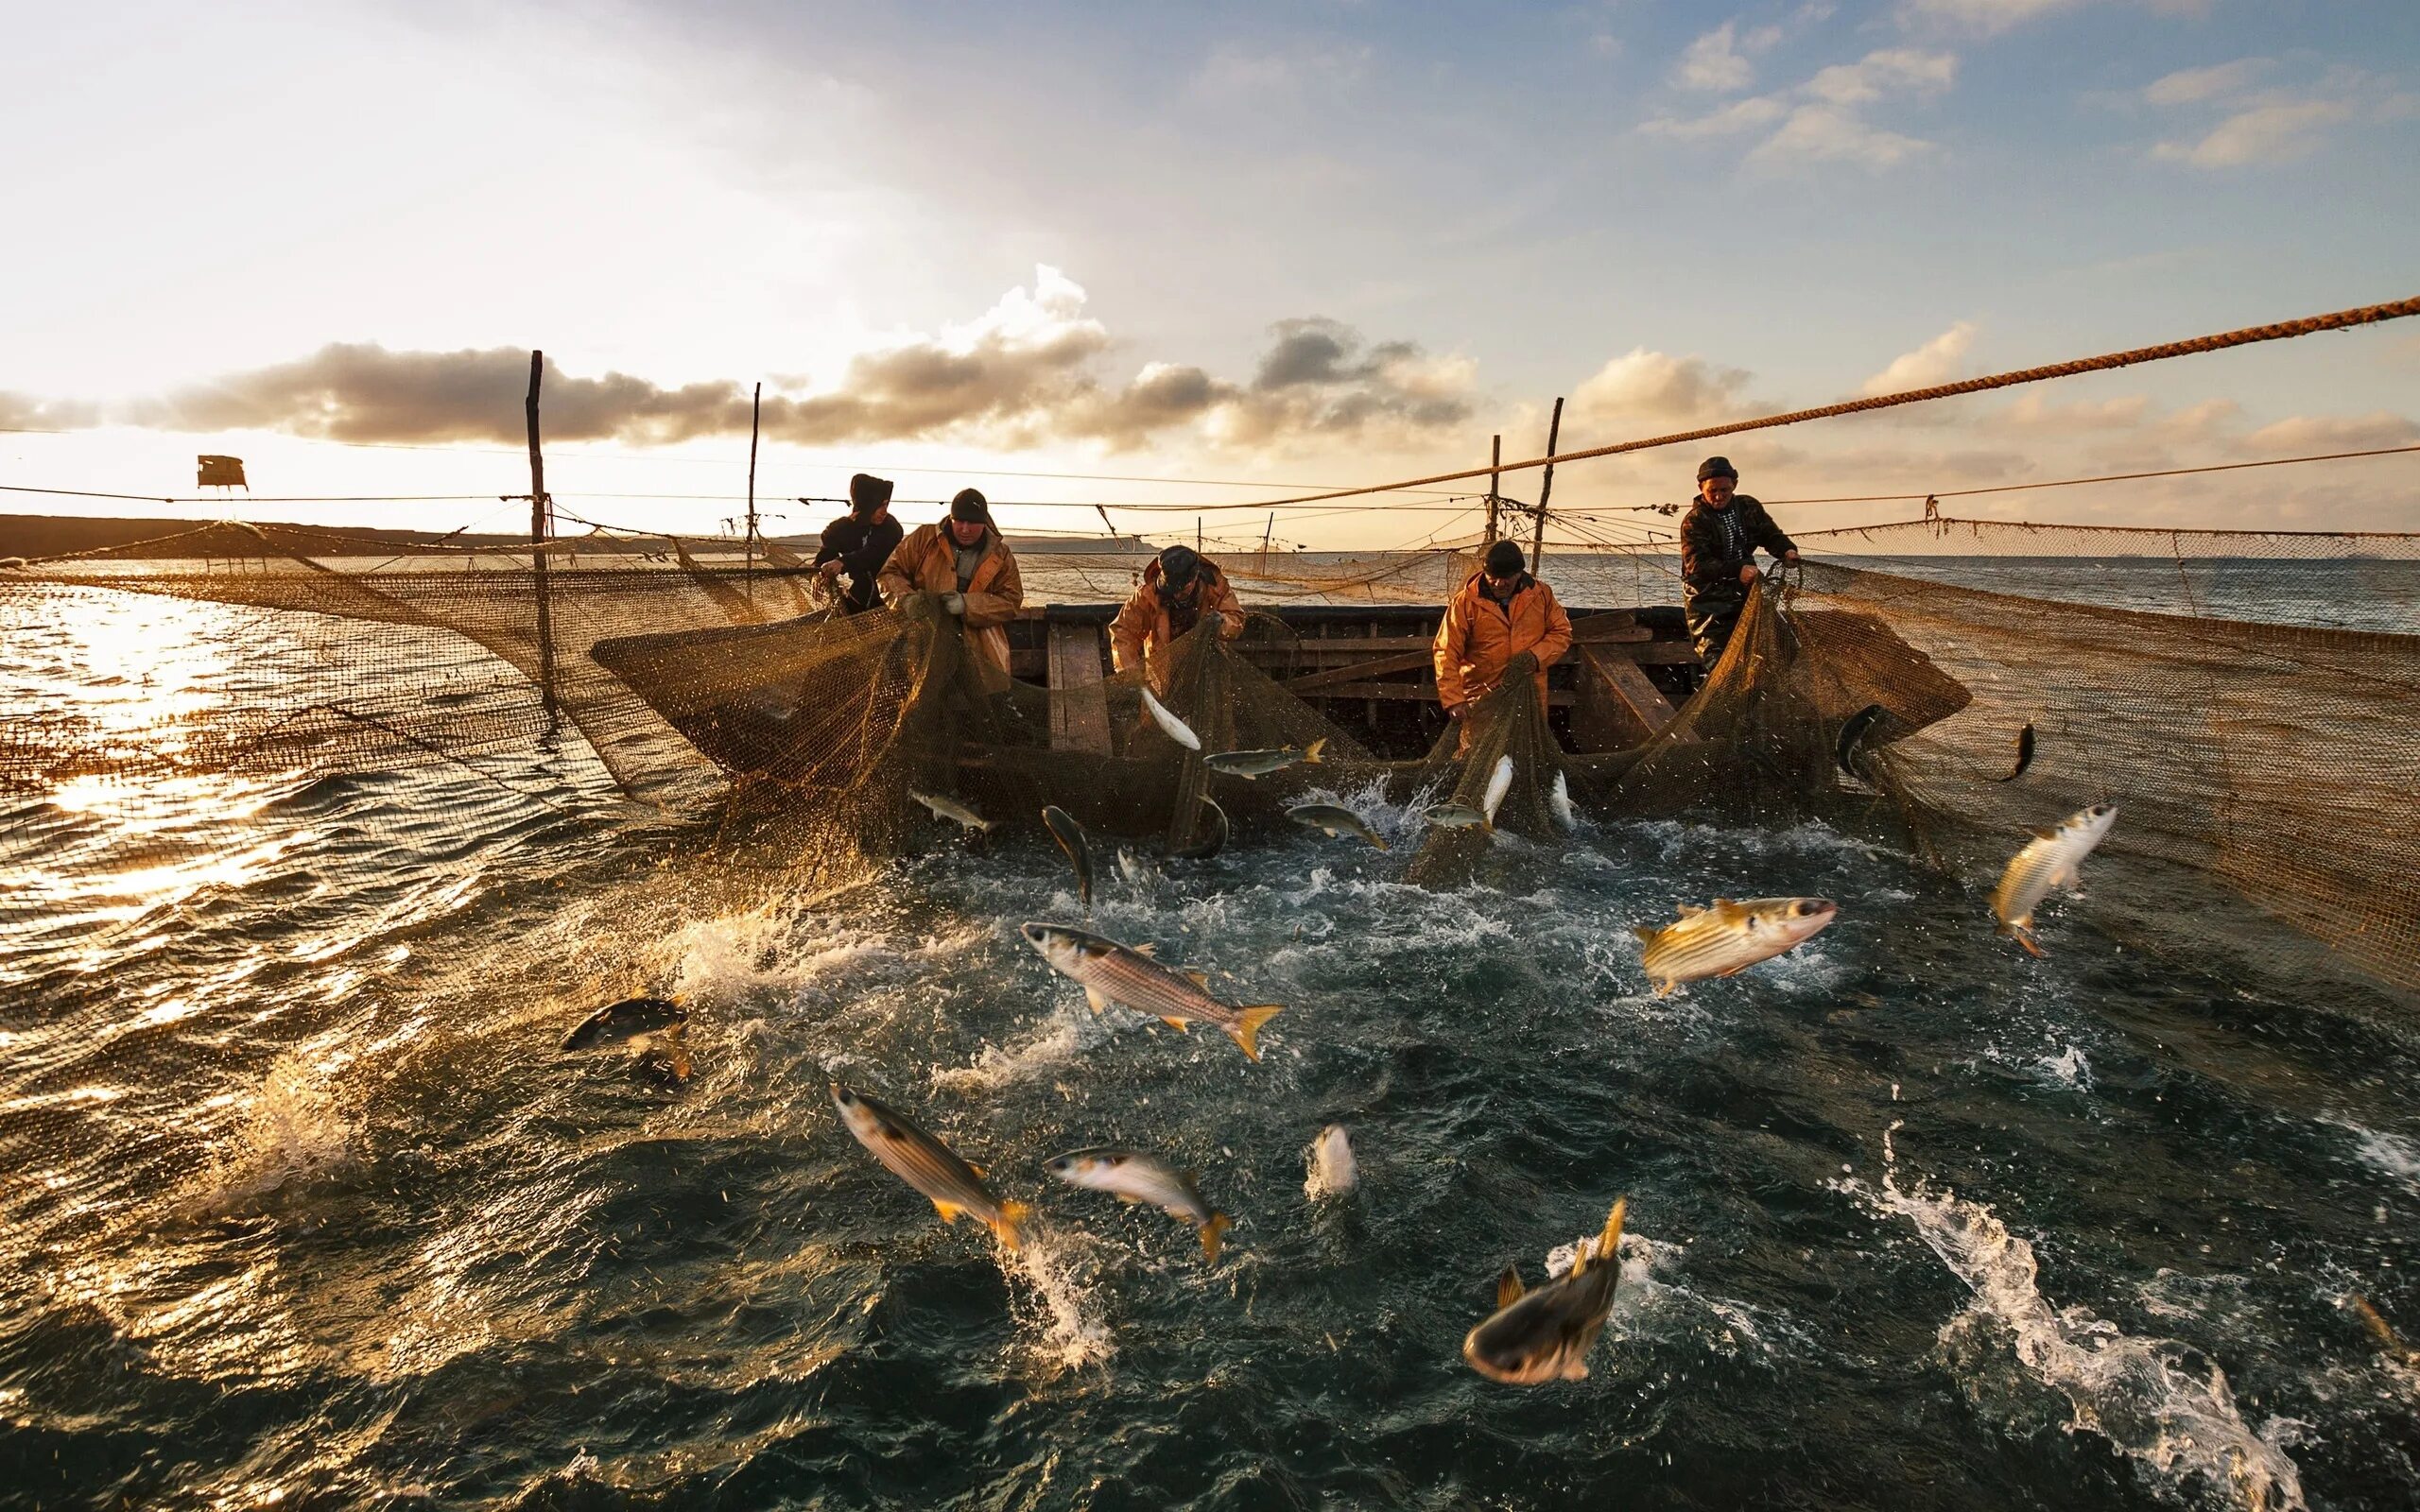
(859, 543)
(1719, 541)
(1180, 589)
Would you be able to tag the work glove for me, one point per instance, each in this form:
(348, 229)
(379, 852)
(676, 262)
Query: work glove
(954, 603)
(1521, 665)
(1749, 574)
(1454, 712)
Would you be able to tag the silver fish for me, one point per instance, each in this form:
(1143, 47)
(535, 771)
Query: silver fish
(1070, 835)
(951, 1184)
(1559, 802)
(1499, 782)
(2047, 862)
(1456, 817)
(1133, 1175)
(1334, 819)
(628, 1021)
(1212, 843)
(1534, 1337)
(1254, 763)
(1177, 729)
(1730, 937)
(1329, 1169)
(1113, 974)
(951, 809)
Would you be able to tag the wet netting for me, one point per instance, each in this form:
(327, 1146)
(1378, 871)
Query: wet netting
(767, 746)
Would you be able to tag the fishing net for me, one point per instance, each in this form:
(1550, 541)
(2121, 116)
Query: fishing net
(767, 744)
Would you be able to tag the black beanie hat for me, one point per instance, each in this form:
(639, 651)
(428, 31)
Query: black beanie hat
(1716, 466)
(1504, 559)
(868, 495)
(970, 504)
(1178, 565)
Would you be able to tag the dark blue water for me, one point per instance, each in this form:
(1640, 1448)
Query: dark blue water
(305, 1210)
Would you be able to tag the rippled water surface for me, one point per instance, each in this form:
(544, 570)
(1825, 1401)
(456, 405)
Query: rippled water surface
(304, 1209)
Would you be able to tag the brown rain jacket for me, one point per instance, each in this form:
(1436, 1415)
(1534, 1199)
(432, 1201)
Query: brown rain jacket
(927, 562)
(1148, 621)
(1478, 636)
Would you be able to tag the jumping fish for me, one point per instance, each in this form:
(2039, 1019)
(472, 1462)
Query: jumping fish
(1730, 937)
(1211, 844)
(925, 1164)
(655, 1028)
(951, 809)
(1250, 765)
(630, 1021)
(1534, 1337)
(1132, 1176)
(1329, 1169)
(1070, 835)
(1559, 802)
(2047, 862)
(1334, 819)
(1113, 974)
(1846, 751)
(2024, 754)
(1456, 817)
(1499, 782)
(1177, 729)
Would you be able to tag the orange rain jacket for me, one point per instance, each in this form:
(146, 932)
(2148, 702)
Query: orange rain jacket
(927, 562)
(1478, 636)
(1145, 622)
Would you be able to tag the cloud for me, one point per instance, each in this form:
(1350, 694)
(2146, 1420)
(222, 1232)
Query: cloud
(2265, 133)
(23, 412)
(1656, 388)
(2299, 434)
(1983, 18)
(1234, 74)
(1715, 63)
(2188, 86)
(1823, 120)
(1939, 361)
(2030, 414)
(1821, 133)
(1023, 373)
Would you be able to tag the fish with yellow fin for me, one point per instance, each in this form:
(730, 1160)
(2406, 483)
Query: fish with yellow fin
(1127, 977)
(1136, 1176)
(1729, 937)
(952, 1184)
(1537, 1336)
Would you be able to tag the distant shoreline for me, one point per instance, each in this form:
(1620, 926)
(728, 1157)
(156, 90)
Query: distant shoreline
(35, 535)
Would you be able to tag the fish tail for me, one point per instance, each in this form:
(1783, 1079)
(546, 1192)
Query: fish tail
(1248, 1022)
(1005, 1228)
(1312, 755)
(1379, 840)
(1609, 1243)
(2023, 936)
(1220, 1223)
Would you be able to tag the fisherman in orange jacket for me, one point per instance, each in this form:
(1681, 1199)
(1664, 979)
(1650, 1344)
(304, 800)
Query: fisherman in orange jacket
(1180, 589)
(1503, 624)
(968, 571)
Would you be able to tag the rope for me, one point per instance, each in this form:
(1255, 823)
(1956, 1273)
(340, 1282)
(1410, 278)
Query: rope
(2339, 320)
(274, 498)
(2106, 477)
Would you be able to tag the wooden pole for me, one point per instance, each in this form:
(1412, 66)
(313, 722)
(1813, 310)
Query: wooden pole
(755, 411)
(1495, 471)
(1545, 487)
(539, 511)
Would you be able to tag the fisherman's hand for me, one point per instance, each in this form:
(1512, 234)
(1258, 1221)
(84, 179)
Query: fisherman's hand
(829, 570)
(1521, 665)
(1454, 712)
(919, 606)
(1791, 555)
(1749, 574)
(954, 603)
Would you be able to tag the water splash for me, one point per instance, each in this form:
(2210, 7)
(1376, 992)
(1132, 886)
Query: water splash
(1059, 1271)
(295, 1132)
(2157, 1400)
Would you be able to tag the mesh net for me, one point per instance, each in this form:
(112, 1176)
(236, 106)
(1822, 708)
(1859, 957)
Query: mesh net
(2245, 699)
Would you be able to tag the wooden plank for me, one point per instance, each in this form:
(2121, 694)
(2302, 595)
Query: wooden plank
(1622, 707)
(1079, 709)
(1614, 625)
(1403, 661)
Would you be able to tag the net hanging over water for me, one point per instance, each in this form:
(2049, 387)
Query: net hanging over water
(2263, 769)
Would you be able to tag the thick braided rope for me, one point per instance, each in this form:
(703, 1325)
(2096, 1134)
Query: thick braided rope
(2342, 320)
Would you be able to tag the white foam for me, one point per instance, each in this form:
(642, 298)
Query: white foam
(2154, 1400)
(294, 1131)
(1329, 1169)
(2392, 1153)
(1063, 1038)
(2067, 1069)
(1056, 1297)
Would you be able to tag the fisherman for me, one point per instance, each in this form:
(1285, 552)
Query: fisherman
(859, 543)
(1718, 542)
(1179, 588)
(970, 573)
(1504, 624)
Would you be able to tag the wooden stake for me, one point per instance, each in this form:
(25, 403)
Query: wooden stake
(755, 409)
(1545, 487)
(539, 508)
(1494, 469)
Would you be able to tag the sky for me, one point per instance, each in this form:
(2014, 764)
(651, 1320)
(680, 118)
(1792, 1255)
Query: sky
(1086, 253)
